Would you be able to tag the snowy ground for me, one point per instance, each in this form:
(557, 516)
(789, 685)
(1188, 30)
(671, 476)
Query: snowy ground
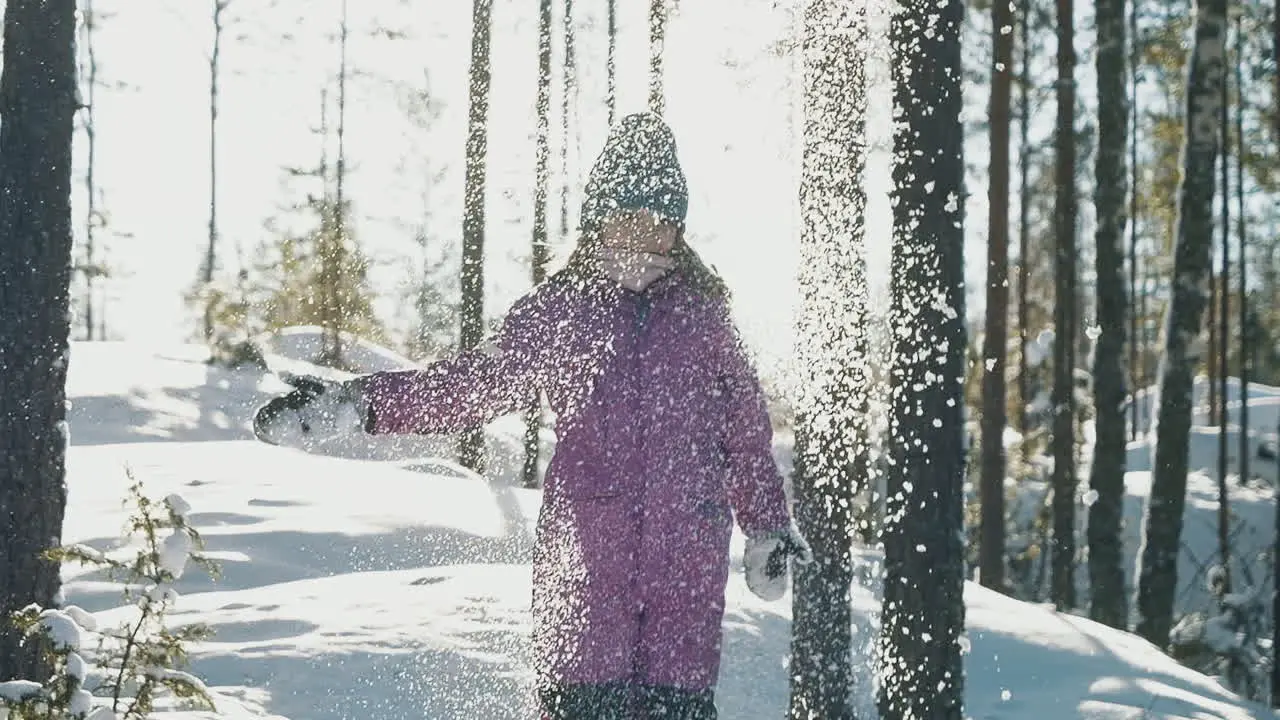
(355, 588)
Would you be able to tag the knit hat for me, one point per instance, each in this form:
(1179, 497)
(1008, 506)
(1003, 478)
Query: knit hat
(637, 169)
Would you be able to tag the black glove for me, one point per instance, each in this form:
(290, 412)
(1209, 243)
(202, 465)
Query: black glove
(315, 410)
(766, 559)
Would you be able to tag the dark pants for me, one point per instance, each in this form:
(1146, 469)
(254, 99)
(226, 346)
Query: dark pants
(621, 701)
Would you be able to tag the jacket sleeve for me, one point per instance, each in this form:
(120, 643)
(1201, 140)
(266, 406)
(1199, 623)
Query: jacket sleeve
(755, 483)
(467, 390)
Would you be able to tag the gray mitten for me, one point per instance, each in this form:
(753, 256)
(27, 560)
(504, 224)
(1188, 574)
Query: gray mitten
(766, 559)
(316, 409)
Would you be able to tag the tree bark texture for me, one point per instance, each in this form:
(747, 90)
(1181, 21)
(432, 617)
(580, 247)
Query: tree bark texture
(472, 328)
(1063, 547)
(923, 614)
(1162, 518)
(540, 253)
(1106, 476)
(996, 338)
(830, 465)
(37, 109)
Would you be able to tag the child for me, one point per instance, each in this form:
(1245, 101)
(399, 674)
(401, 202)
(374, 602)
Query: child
(662, 433)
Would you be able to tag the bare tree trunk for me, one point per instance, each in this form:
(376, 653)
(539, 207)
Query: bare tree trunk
(1224, 330)
(657, 37)
(1024, 225)
(1062, 577)
(1106, 477)
(1212, 353)
(612, 99)
(923, 611)
(90, 185)
(996, 338)
(1024, 209)
(331, 344)
(833, 352)
(1162, 521)
(540, 253)
(38, 106)
(1246, 347)
(471, 445)
(210, 256)
(1136, 377)
(568, 118)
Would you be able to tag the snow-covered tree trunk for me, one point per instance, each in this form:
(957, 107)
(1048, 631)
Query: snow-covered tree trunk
(540, 253)
(657, 37)
(37, 110)
(1162, 520)
(921, 669)
(1063, 548)
(1106, 477)
(471, 446)
(996, 338)
(611, 69)
(831, 426)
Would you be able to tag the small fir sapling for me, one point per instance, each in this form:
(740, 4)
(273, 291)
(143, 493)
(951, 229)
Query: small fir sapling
(135, 663)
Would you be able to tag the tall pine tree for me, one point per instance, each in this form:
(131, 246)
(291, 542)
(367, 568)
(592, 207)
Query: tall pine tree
(471, 446)
(831, 413)
(540, 252)
(923, 613)
(996, 338)
(1063, 549)
(1162, 520)
(1106, 474)
(37, 111)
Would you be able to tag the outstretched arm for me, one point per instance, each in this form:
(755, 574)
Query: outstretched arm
(466, 390)
(754, 482)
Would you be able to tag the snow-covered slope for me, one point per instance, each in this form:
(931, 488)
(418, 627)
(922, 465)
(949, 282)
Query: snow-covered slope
(364, 589)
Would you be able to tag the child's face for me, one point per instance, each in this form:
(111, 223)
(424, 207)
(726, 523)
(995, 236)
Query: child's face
(638, 231)
(636, 247)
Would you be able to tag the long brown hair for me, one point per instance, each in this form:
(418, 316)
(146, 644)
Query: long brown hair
(584, 263)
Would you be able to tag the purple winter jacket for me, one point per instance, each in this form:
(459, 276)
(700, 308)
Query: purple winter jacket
(662, 431)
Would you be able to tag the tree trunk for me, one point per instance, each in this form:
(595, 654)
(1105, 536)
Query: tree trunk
(210, 255)
(1246, 347)
(1212, 362)
(471, 445)
(1162, 521)
(1106, 476)
(568, 119)
(90, 184)
(657, 37)
(37, 111)
(1024, 224)
(996, 339)
(540, 253)
(612, 63)
(1137, 378)
(334, 260)
(923, 612)
(1224, 331)
(831, 414)
(1062, 578)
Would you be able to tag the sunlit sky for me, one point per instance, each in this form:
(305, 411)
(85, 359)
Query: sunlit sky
(730, 100)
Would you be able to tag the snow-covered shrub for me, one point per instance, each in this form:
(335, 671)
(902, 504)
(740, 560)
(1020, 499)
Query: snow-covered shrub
(64, 695)
(1231, 641)
(136, 662)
